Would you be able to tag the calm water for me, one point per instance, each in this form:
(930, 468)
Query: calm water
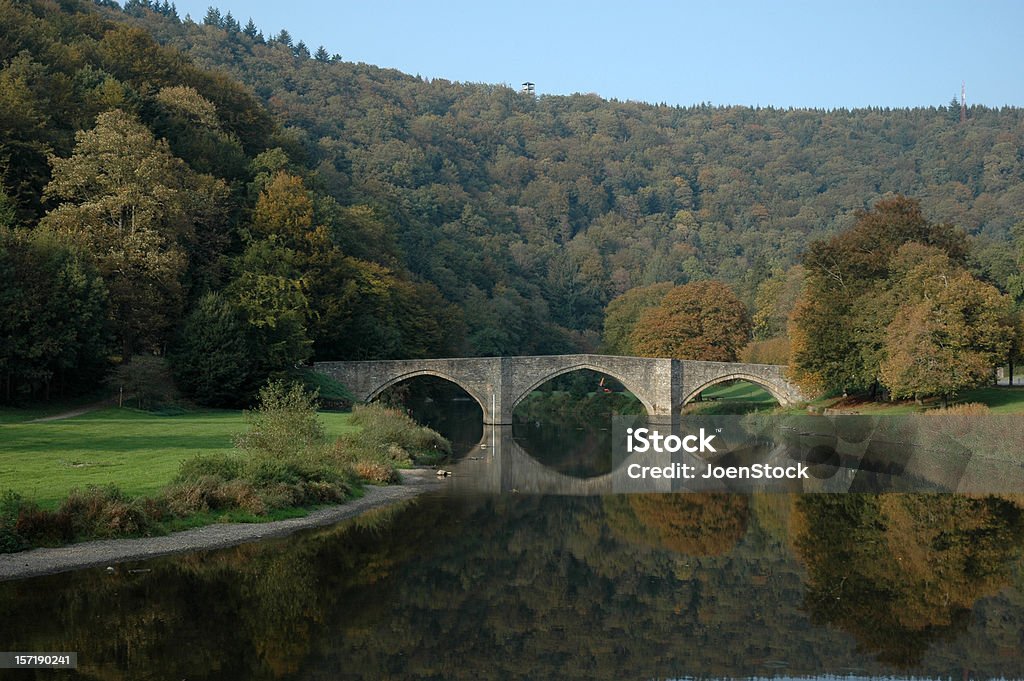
(525, 587)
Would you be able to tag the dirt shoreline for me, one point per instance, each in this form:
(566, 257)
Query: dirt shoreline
(102, 552)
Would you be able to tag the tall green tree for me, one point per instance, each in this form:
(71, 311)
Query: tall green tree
(214, 359)
(138, 210)
(54, 330)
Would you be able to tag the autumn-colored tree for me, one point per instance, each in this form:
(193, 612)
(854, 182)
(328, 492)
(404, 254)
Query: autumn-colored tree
(774, 351)
(622, 314)
(852, 290)
(776, 298)
(701, 320)
(949, 341)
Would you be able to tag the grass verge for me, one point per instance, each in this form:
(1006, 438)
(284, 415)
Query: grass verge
(138, 451)
(126, 473)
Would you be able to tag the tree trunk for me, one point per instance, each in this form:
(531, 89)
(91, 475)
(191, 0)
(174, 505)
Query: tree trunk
(1011, 371)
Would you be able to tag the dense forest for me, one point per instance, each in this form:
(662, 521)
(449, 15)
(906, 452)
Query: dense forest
(229, 199)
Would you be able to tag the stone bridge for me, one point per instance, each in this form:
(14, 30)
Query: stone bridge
(498, 384)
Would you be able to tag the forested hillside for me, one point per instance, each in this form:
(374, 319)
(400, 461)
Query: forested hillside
(297, 206)
(589, 197)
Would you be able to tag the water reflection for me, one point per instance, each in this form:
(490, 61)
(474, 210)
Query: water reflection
(903, 571)
(550, 587)
(518, 586)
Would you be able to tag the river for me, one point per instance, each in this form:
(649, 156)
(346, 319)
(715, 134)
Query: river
(517, 586)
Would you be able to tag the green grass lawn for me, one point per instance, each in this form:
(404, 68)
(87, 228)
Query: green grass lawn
(741, 391)
(136, 450)
(1001, 400)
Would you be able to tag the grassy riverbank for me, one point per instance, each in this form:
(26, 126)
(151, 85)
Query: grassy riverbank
(741, 396)
(998, 399)
(121, 472)
(138, 451)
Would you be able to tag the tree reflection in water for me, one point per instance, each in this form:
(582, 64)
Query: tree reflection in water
(902, 572)
(547, 587)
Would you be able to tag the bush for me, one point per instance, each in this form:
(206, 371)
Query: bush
(11, 504)
(395, 436)
(376, 472)
(966, 409)
(220, 466)
(196, 495)
(285, 424)
(39, 527)
(104, 512)
(265, 472)
(285, 464)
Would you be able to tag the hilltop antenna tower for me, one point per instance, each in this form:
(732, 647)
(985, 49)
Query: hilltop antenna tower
(963, 102)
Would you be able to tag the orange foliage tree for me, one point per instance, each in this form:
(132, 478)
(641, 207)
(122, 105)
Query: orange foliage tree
(701, 320)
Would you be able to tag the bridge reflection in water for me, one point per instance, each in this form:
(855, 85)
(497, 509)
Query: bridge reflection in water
(500, 464)
(901, 455)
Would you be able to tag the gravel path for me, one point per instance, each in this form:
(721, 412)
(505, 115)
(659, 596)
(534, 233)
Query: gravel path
(110, 551)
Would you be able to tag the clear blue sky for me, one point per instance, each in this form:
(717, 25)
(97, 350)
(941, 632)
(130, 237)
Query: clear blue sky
(769, 52)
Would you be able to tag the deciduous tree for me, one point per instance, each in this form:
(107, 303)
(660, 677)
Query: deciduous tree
(622, 314)
(136, 208)
(950, 340)
(701, 320)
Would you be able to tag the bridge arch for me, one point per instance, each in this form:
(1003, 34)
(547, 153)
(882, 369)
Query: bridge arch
(638, 394)
(772, 389)
(395, 380)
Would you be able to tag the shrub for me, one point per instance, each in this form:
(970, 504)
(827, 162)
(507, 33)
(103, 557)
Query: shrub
(285, 424)
(11, 504)
(266, 472)
(37, 526)
(376, 472)
(396, 435)
(966, 409)
(197, 495)
(222, 466)
(241, 494)
(104, 512)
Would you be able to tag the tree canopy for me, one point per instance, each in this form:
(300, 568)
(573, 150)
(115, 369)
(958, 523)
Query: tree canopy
(701, 320)
(889, 302)
(353, 212)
